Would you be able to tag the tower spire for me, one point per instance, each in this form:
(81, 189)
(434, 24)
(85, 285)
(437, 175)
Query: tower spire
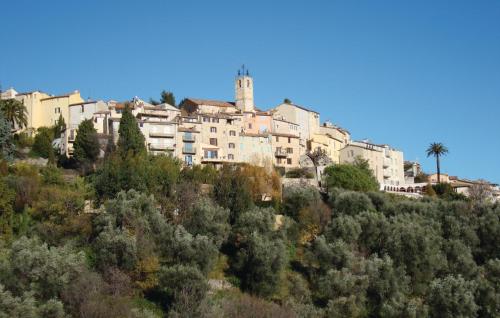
(244, 90)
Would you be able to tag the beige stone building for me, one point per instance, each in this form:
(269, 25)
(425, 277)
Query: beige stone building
(189, 140)
(44, 109)
(307, 120)
(286, 149)
(256, 149)
(387, 163)
(158, 124)
(79, 112)
(331, 139)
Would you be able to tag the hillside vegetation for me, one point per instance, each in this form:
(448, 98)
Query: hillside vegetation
(140, 236)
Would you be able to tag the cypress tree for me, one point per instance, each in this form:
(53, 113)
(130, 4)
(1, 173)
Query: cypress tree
(86, 146)
(131, 139)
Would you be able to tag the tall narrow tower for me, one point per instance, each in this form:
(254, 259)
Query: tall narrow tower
(243, 87)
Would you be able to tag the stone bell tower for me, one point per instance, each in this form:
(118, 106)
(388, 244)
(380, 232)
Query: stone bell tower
(243, 87)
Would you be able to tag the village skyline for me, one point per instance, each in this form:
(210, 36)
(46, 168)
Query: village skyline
(395, 76)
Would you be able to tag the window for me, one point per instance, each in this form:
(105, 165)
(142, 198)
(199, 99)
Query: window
(279, 160)
(289, 140)
(289, 161)
(230, 156)
(213, 141)
(277, 138)
(206, 119)
(95, 119)
(248, 83)
(239, 83)
(249, 126)
(57, 110)
(142, 124)
(81, 111)
(213, 129)
(211, 154)
(215, 120)
(188, 160)
(231, 145)
(289, 150)
(232, 133)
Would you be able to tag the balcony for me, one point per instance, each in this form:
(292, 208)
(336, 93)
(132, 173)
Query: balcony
(161, 147)
(387, 173)
(160, 135)
(387, 162)
(189, 138)
(281, 153)
(189, 150)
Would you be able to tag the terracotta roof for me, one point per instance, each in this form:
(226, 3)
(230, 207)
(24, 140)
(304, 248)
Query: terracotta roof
(263, 113)
(211, 102)
(122, 106)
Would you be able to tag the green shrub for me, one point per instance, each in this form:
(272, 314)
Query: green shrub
(350, 177)
(299, 173)
(42, 145)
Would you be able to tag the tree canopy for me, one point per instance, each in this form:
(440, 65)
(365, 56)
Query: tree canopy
(86, 145)
(350, 177)
(130, 140)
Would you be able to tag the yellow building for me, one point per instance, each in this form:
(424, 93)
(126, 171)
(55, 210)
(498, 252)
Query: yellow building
(44, 110)
(330, 139)
(286, 149)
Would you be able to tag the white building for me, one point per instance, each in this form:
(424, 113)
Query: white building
(8, 94)
(386, 163)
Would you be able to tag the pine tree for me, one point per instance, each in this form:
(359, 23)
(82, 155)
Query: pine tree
(167, 97)
(86, 146)
(131, 139)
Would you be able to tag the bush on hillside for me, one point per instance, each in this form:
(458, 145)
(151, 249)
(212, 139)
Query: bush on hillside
(350, 177)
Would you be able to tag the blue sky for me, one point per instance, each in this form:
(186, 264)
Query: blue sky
(405, 73)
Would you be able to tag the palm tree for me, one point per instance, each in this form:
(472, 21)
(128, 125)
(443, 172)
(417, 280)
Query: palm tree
(15, 112)
(437, 149)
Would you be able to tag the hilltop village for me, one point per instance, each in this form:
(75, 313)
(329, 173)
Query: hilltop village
(207, 131)
(212, 208)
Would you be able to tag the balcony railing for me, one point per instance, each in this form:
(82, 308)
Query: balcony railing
(281, 153)
(189, 150)
(189, 138)
(161, 147)
(160, 135)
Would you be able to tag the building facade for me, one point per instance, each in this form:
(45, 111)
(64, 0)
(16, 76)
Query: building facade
(386, 163)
